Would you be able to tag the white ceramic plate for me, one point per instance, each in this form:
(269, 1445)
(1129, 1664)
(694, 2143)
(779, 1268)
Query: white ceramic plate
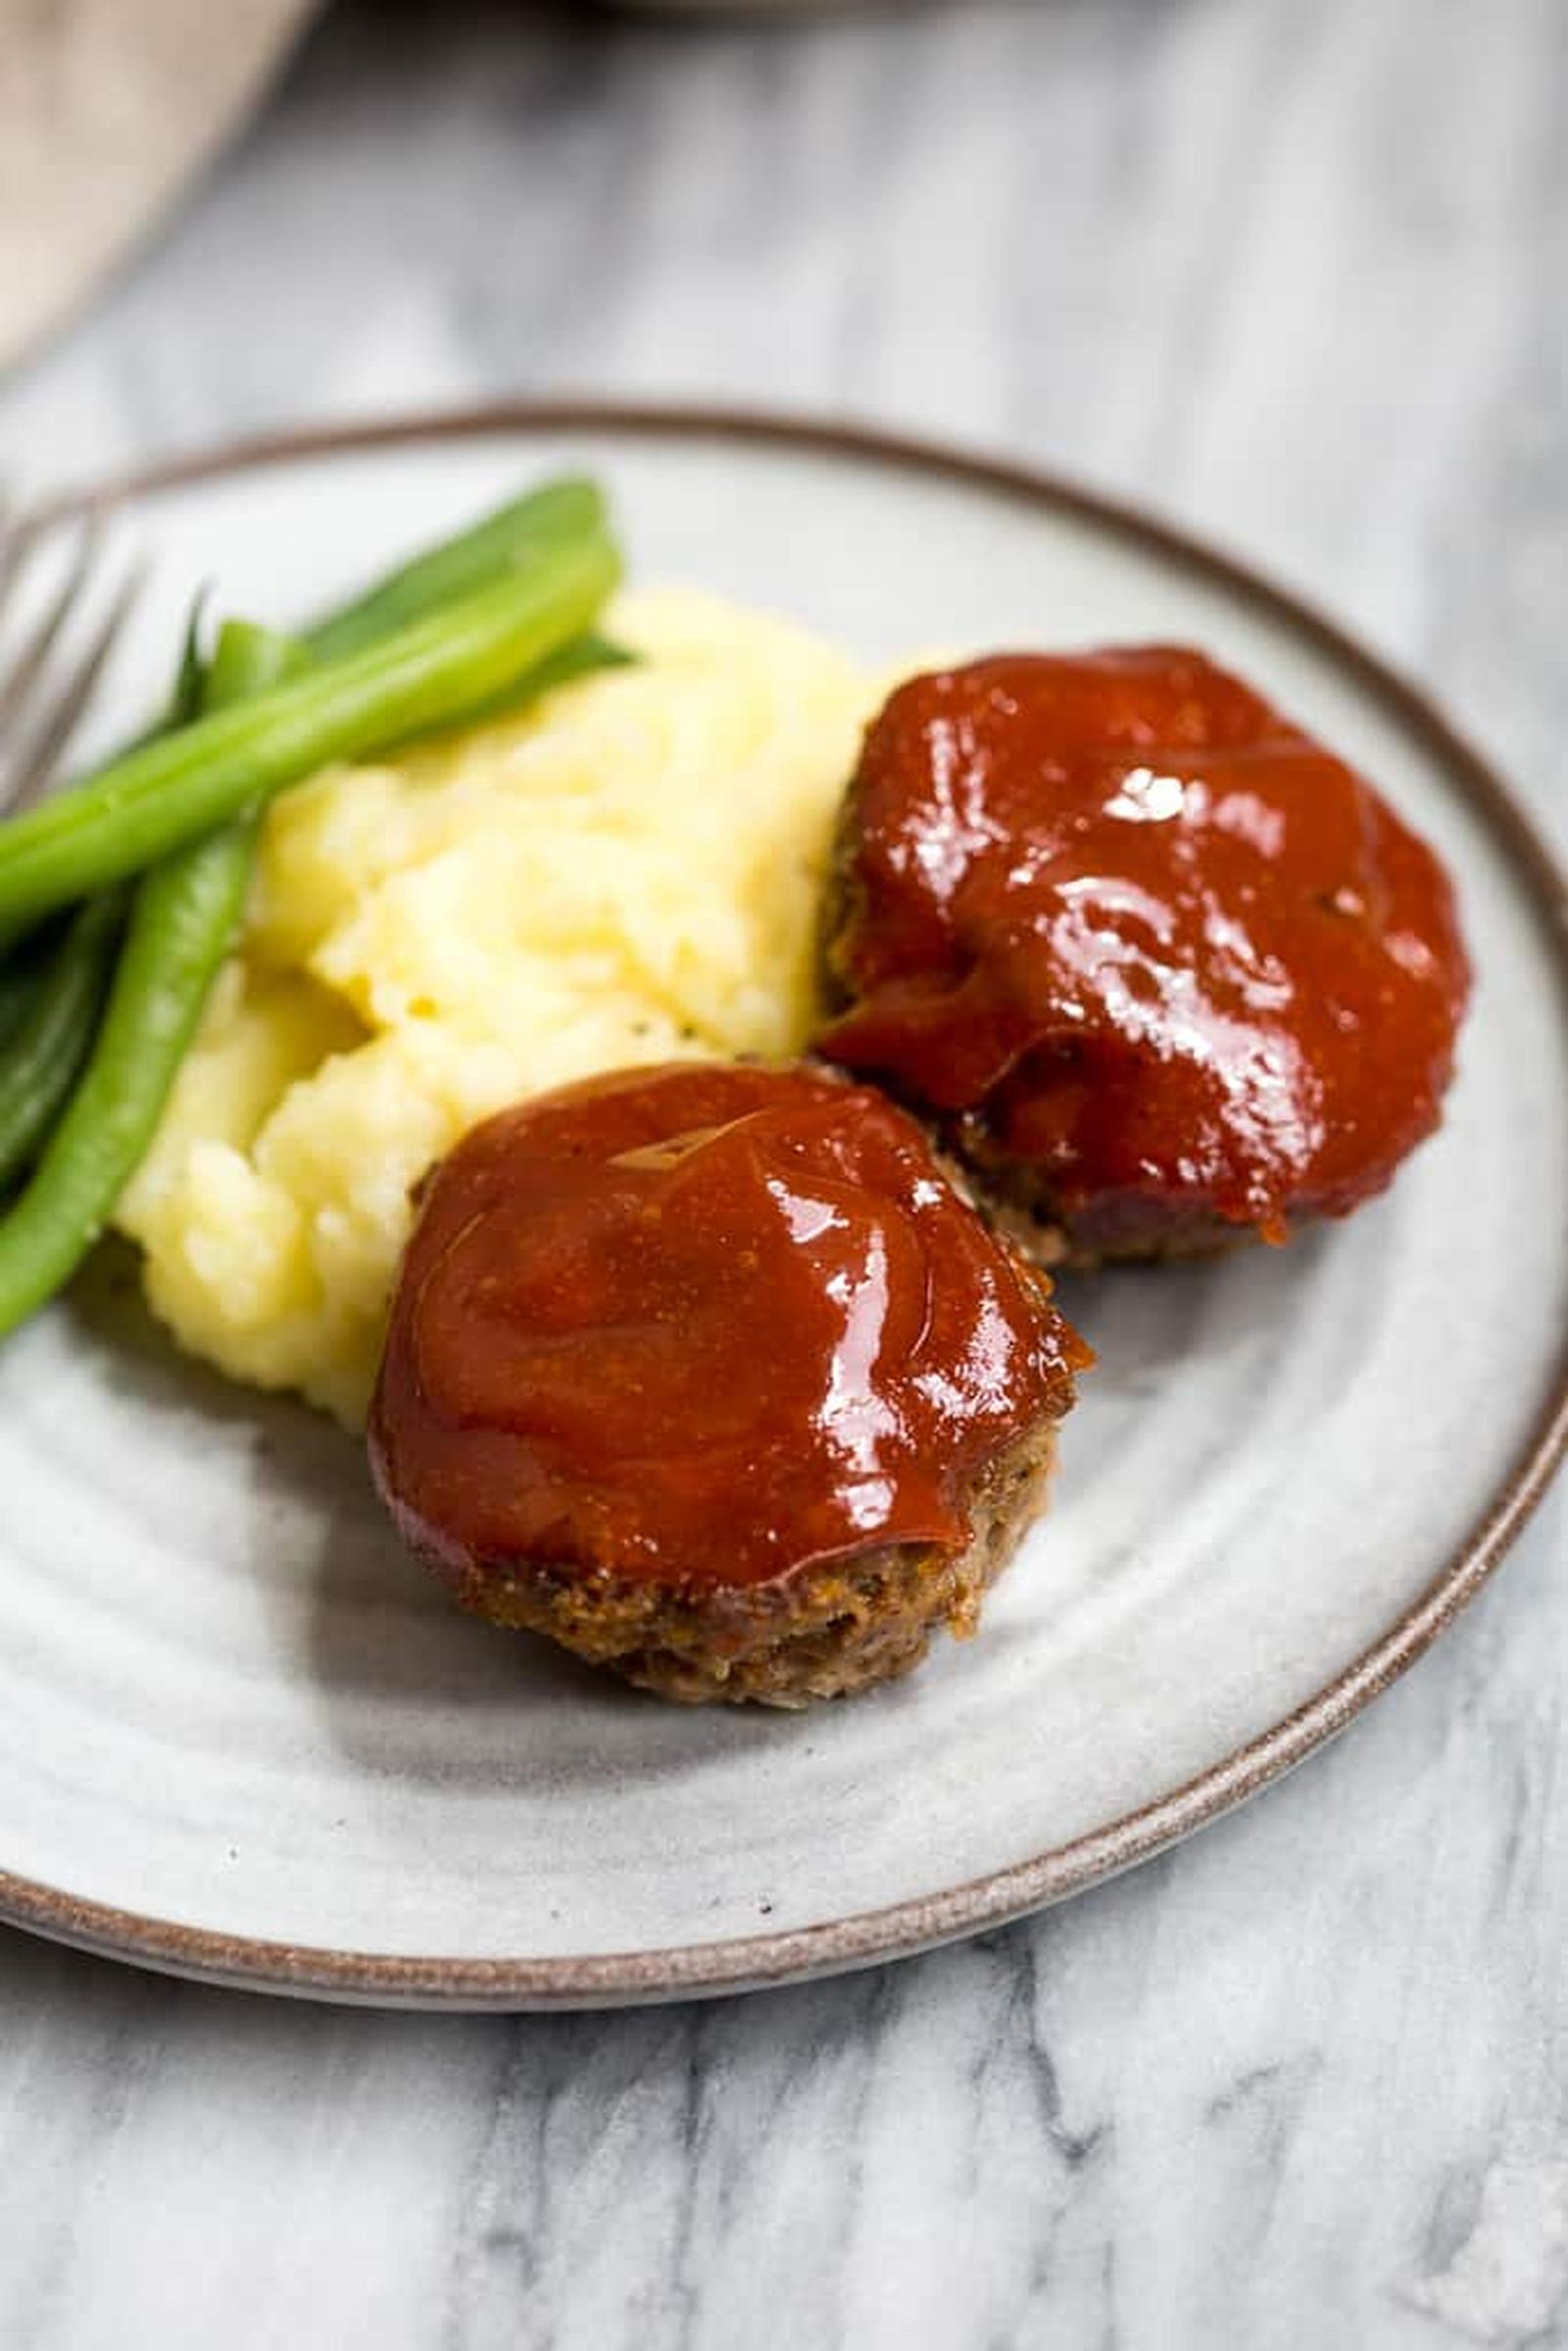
(242, 1737)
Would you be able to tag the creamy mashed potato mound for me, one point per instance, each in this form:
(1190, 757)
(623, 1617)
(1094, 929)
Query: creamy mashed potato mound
(627, 872)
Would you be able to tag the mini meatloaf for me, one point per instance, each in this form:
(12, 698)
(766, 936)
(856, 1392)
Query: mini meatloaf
(1162, 971)
(708, 1373)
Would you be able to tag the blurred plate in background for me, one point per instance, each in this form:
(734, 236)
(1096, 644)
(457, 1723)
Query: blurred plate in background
(107, 107)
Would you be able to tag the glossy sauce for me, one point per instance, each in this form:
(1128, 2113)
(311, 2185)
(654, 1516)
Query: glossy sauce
(704, 1324)
(1136, 930)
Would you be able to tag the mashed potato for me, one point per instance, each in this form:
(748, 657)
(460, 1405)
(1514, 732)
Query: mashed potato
(627, 873)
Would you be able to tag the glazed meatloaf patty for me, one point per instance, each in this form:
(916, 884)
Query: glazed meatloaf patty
(1161, 970)
(709, 1374)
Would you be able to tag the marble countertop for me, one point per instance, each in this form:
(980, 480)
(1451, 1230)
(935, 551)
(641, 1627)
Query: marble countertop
(1301, 275)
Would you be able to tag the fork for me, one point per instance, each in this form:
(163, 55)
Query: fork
(48, 682)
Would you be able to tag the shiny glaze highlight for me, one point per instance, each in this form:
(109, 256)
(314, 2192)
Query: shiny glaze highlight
(1133, 931)
(704, 1325)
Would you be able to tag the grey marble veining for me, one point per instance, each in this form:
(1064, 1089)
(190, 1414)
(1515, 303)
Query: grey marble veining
(1301, 274)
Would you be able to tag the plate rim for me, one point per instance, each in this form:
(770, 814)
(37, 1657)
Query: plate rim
(899, 1930)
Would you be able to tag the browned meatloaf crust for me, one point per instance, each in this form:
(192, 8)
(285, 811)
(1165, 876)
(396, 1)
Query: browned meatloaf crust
(820, 1632)
(1012, 1195)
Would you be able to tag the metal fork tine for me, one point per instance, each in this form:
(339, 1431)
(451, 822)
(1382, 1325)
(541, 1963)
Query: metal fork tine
(34, 766)
(15, 540)
(25, 671)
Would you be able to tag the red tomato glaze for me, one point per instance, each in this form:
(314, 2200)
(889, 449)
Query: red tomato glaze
(1140, 935)
(700, 1325)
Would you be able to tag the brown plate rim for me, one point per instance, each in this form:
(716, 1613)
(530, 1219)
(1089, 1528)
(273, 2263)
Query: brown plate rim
(756, 1962)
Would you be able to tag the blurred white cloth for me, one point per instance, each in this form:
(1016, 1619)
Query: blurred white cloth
(107, 107)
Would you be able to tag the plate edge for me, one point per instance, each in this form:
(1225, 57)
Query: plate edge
(896, 1931)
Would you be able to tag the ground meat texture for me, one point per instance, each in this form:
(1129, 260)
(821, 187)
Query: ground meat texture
(709, 1373)
(821, 1632)
(1164, 972)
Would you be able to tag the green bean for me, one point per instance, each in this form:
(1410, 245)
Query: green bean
(393, 665)
(43, 1062)
(579, 659)
(170, 792)
(183, 919)
(519, 534)
(50, 1003)
(19, 983)
(247, 659)
(211, 879)
(582, 658)
(51, 992)
(190, 679)
(215, 873)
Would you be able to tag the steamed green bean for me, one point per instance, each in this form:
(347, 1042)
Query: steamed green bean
(170, 792)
